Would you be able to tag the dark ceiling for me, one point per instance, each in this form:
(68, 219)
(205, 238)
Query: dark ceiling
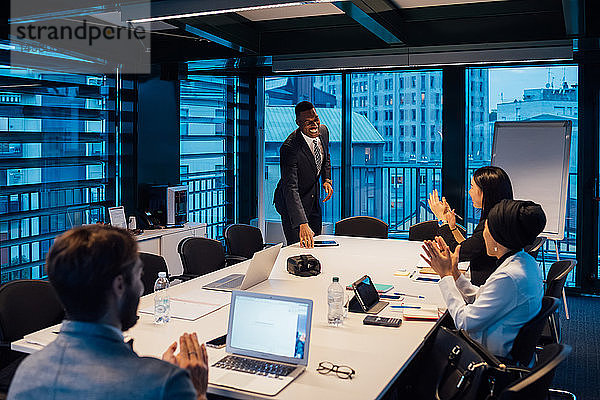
(364, 25)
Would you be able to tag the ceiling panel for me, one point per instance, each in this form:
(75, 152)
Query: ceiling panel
(299, 11)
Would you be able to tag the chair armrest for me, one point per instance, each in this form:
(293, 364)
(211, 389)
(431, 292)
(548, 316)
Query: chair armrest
(231, 259)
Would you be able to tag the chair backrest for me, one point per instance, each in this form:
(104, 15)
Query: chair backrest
(27, 306)
(529, 334)
(535, 247)
(557, 276)
(425, 230)
(362, 226)
(535, 384)
(201, 256)
(243, 240)
(428, 230)
(153, 264)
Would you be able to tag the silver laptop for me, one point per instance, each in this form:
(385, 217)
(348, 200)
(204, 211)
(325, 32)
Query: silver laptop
(268, 338)
(258, 271)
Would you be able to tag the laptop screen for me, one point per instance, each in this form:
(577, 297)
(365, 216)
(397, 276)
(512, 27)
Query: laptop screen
(269, 326)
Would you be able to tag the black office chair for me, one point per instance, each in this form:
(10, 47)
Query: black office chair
(243, 241)
(362, 226)
(153, 264)
(26, 306)
(535, 384)
(534, 248)
(425, 230)
(201, 256)
(555, 283)
(428, 230)
(525, 343)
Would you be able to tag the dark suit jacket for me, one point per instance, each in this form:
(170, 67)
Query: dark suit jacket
(299, 186)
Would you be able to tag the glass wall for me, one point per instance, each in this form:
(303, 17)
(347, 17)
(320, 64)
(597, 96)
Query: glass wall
(57, 161)
(207, 137)
(282, 93)
(522, 94)
(396, 145)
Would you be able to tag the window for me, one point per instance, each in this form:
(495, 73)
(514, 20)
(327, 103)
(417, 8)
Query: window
(208, 126)
(522, 93)
(282, 93)
(57, 154)
(384, 188)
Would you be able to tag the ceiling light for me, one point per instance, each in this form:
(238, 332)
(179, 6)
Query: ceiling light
(226, 11)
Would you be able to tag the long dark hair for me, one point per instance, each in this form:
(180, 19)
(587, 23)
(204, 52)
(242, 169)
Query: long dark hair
(495, 186)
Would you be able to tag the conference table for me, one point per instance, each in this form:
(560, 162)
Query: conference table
(377, 354)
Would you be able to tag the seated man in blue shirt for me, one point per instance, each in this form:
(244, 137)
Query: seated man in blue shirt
(96, 272)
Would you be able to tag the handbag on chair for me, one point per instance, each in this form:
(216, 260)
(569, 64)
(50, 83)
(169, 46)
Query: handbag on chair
(467, 370)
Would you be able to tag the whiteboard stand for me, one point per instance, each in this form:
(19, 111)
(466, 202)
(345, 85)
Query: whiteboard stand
(564, 297)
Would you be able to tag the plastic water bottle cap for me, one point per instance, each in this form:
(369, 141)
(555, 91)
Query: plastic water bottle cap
(336, 279)
(162, 274)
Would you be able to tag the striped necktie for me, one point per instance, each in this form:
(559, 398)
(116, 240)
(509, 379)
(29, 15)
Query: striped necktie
(317, 152)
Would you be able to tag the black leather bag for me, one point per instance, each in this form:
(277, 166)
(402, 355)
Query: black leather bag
(303, 265)
(468, 370)
(457, 367)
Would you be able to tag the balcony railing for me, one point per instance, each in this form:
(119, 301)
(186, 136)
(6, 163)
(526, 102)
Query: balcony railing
(207, 201)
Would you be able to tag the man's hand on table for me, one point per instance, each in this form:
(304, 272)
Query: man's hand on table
(306, 236)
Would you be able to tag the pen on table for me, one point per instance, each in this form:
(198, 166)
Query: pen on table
(403, 306)
(35, 342)
(409, 295)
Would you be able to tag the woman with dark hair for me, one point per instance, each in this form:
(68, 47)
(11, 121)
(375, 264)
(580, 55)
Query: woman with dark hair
(494, 313)
(489, 185)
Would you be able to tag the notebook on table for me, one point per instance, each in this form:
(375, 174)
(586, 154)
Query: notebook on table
(259, 270)
(268, 338)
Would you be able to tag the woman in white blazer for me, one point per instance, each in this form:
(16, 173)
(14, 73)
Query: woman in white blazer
(494, 313)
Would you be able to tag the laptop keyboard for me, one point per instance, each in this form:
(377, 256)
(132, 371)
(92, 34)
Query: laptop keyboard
(232, 283)
(257, 367)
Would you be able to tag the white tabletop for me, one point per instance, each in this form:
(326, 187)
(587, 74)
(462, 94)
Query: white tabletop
(376, 353)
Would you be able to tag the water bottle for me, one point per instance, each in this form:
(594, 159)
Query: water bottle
(335, 301)
(162, 302)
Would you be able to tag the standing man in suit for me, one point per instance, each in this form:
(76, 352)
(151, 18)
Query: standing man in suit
(96, 273)
(304, 160)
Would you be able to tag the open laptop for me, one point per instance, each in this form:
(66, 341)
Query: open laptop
(259, 270)
(268, 338)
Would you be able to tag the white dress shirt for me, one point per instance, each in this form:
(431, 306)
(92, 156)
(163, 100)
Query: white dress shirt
(311, 146)
(494, 313)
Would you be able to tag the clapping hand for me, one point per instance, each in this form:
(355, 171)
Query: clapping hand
(440, 258)
(439, 208)
(193, 357)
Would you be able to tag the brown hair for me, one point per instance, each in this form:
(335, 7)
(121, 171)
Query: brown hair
(82, 264)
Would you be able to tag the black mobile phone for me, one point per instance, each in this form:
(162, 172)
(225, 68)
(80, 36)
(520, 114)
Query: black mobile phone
(217, 343)
(326, 243)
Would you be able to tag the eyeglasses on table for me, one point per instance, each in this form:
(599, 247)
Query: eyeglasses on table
(342, 371)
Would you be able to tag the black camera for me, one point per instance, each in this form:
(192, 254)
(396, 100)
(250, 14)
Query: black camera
(303, 265)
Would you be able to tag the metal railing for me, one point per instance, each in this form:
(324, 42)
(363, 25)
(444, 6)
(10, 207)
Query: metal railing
(207, 200)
